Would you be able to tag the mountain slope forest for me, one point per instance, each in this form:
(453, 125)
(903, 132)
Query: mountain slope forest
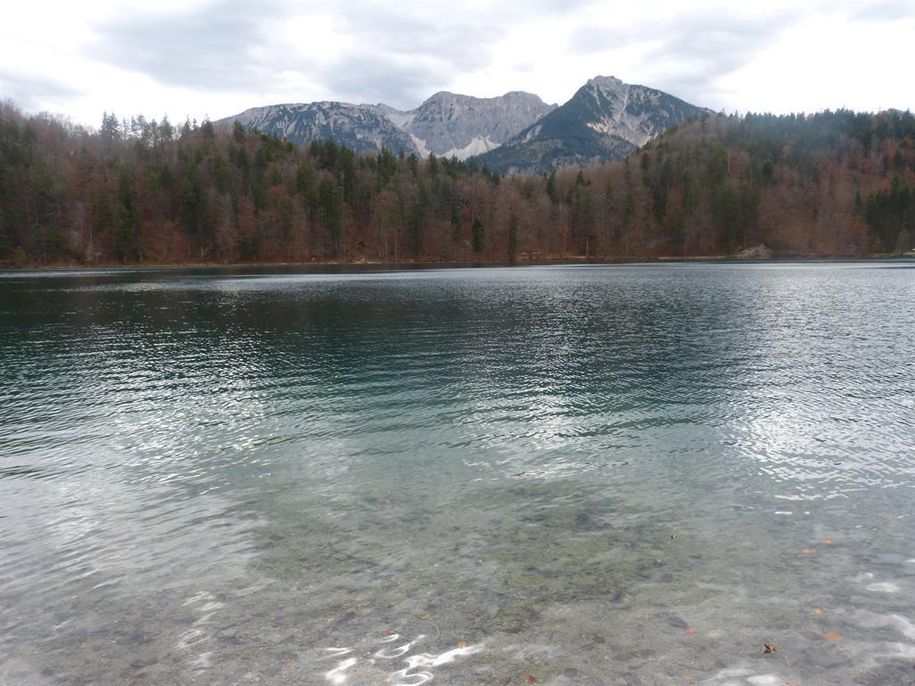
(829, 184)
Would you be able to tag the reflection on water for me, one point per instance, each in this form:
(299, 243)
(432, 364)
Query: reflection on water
(377, 665)
(588, 475)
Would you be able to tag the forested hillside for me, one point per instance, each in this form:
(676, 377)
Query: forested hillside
(830, 184)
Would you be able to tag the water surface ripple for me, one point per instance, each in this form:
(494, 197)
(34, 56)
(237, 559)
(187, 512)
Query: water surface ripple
(591, 475)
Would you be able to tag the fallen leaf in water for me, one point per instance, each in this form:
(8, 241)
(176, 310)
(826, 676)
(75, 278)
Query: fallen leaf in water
(827, 541)
(817, 612)
(288, 662)
(530, 678)
(770, 647)
(690, 633)
(806, 551)
(833, 635)
(462, 644)
(388, 632)
(711, 633)
(424, 615)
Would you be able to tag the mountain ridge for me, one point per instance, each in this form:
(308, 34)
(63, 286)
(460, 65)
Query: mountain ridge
(605, 119)
(446, 124)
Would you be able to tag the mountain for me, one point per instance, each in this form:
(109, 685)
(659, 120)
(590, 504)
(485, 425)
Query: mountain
(446, 124)
(362, 128)
(460, 125)
(605, 120)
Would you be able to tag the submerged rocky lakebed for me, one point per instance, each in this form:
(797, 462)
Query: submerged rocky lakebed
(635, 474)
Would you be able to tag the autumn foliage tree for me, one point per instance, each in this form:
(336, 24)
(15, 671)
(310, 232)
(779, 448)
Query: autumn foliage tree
(833, 183)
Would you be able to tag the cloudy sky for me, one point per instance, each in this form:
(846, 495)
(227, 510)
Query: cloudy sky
(197, 59)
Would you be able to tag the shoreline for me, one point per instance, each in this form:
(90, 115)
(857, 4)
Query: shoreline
(424, 264)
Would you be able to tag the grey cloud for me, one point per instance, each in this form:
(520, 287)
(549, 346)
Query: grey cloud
(524, 67)
(706, 46)
(401, 52)
(374, 78)
(717, 45)
(711, 39)
(589, 39)
(694, 88)
(886, 10)
(459, 41)
(406, 53)
(690, 51)
(550, 6)
(206, 48)
(35, 93)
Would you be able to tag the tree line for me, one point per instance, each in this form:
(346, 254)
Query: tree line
(140, 191)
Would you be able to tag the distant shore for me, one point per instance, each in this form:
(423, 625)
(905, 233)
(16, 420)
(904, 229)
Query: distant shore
(410, 264)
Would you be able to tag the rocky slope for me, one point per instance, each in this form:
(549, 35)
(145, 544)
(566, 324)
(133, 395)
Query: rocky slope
(359, 127)
(605, 120)
(446, 124)
(450, 124)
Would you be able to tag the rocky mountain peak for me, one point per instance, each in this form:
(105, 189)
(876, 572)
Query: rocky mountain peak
(462, 125)
(443, 95)
(605, 119)
(606, 91)
(605, 82)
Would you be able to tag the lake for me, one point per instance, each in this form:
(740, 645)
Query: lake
(630, 474)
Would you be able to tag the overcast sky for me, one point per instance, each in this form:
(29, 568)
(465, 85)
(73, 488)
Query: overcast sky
(197, 59)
